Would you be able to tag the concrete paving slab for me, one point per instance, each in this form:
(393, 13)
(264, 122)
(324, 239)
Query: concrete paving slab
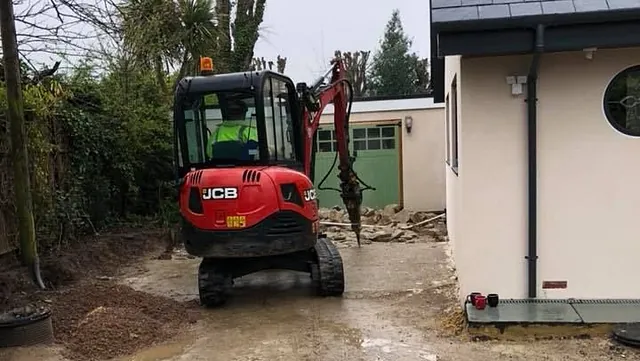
(608, 313)
(387, 267)
(524, 313)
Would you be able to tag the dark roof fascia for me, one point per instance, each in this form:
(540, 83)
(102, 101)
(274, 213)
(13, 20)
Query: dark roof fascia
(564, 33)
(516, 41)
(391, 97)
(533, 21)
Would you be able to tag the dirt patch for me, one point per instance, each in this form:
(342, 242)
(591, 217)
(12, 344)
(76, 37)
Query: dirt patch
(102, 321)
(93, 317)
(102, 255)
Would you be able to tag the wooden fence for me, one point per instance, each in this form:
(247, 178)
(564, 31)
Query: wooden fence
(57, 164)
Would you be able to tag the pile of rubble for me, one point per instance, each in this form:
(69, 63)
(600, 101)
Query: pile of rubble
(390, 224)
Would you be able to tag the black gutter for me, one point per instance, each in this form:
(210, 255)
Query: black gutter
(532, 114)
(437, 68)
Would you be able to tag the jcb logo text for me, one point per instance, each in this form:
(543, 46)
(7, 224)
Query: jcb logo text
(219, 193)
(309, 195)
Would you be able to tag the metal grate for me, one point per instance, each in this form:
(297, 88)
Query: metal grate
(286, 224)
(605, 301)
(533, 301)
(250, 176)
(572, 301)
(195, 177)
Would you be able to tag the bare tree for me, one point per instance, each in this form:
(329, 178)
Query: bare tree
(357, 66)
(20, 157)
(262, 64)
(65, 29)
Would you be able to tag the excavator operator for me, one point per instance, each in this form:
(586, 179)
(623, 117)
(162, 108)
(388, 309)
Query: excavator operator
(235, 132)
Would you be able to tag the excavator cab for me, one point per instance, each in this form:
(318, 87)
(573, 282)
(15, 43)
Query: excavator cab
(240, 119)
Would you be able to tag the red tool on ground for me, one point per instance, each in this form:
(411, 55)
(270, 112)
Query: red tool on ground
(245, 150)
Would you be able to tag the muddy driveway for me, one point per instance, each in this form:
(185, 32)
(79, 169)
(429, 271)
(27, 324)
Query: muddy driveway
(273, 316)
(392, 310)
(395, 297)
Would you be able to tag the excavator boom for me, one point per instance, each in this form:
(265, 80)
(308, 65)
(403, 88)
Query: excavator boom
(338, 92)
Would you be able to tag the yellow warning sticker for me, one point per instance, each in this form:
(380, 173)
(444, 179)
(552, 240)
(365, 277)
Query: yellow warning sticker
(236, 221)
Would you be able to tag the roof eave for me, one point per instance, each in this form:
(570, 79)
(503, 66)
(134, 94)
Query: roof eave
(604, 16)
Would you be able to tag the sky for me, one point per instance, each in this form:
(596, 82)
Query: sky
(307, 32)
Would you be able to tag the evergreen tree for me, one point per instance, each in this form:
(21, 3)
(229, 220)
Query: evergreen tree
(394, 70)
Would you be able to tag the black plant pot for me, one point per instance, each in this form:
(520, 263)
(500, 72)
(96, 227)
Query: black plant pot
(493, 299)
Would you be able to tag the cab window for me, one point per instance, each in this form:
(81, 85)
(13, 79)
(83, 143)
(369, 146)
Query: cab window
(278, 125)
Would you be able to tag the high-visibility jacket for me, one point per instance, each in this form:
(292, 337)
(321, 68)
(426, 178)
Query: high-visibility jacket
(232, 130)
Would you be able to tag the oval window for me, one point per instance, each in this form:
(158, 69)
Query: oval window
(622, 101)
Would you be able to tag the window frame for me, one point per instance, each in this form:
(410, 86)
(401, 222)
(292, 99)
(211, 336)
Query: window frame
(296, 125)
(447, 124)
(363, 127)
(605, 103)
(332, 140)
(379, 137)
(454, 126)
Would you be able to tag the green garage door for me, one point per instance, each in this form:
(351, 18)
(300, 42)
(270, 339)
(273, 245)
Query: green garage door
(377, 163)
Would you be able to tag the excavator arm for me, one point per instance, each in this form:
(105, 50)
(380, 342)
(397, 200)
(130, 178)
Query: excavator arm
(338, 92)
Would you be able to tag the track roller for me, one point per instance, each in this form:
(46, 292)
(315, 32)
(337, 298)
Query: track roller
(328, 273)
(214, 285)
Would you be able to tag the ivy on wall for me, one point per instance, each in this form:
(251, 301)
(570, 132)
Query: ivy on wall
(100, 150)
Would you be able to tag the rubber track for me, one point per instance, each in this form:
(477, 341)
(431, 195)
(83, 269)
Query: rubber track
(30, 334)
(331, 268)
(214, 287)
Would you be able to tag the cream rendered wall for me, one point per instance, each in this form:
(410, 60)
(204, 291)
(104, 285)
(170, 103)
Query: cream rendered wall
(587, 173)
(423, 150)
(452, 69)
(491, 218)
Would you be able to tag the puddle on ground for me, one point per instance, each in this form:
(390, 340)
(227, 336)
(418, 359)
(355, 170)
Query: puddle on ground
(396, 349)
(273, 316)
(168, 351)
(294, 330)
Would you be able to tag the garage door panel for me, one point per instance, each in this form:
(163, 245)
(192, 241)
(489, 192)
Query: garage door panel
(377, 151)
(378, 169)
(327, 198)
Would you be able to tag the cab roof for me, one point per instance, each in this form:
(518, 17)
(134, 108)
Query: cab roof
(221, 82)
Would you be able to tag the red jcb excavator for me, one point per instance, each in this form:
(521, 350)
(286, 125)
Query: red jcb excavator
(245, 149)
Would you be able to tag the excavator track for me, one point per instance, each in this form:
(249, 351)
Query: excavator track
(214, 284)
(328, 273)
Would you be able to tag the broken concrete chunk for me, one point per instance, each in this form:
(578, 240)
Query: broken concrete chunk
(368, 212)
(391, 209)
(389, 224)
(404, 216)
(381, 236)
